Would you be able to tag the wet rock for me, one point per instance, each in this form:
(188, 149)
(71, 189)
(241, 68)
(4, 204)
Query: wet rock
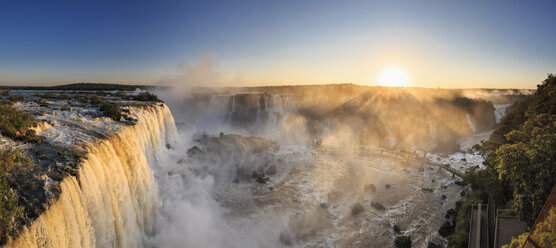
(356, 209)
(285, 238)
(402, 242)
(370, 187)
(271, 170)
(194, 151)
(433, 245)
(260, 177)
(446, 229)
(377, 206)
(427, 190)
(334, 196)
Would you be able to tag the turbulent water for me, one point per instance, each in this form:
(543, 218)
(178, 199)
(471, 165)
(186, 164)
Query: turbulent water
(113, 202)
(140, 188)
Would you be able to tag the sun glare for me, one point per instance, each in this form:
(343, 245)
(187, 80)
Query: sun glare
(393, 77)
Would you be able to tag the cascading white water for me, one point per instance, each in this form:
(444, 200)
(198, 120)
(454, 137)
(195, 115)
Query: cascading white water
(470, 123)
(113, 201)
(500, 111)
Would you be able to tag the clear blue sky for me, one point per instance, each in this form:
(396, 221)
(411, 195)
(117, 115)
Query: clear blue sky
(438, 43)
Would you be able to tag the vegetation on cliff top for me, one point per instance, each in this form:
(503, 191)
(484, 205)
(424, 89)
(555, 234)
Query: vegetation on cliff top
(520, 159)
(16, 124)
(11, 162)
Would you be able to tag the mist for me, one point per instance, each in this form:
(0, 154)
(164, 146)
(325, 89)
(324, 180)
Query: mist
(246, 169)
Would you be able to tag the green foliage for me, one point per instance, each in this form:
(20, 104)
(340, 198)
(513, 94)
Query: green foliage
(545, 230)
(446, 229)
(95, 100)
(146, 96)
(64, 96)
(523, 150)
(16, 123)
(10, 211)
(521, 162)
(459, 238)
(111, 110)
(9, 208)
(402, 242)
(15, 98)
(518, 242)
(48, 95)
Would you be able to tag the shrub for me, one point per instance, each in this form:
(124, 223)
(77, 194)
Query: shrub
(146, 96)
(9, 209)
(64, 96)
(15, 123)
(111, 110)
(446, 229)
(15, 98)
(95, 100)
(48, 95)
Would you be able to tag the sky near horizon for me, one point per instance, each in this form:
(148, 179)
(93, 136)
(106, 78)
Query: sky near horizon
(447, 44)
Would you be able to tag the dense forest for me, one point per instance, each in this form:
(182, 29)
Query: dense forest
(520, 159)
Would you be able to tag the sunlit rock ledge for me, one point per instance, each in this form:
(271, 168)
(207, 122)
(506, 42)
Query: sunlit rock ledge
(69, 128)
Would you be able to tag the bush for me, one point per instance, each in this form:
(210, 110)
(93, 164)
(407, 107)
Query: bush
(16, 123)
(111, 110)
(64, 96)
(15, 98)
(10, 210)
(48, 95)
(402, 242)
(446, 229)
(146, 96)
(95, 100)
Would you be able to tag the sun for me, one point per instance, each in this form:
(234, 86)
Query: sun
(393, 77)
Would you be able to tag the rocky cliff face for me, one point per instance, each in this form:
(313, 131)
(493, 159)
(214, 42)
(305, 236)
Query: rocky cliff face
(106, 196)
(411, 119)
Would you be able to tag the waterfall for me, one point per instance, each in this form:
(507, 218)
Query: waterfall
(500, 111)
(222, 106)
(432, 128)
(470, 123)
(113, 201)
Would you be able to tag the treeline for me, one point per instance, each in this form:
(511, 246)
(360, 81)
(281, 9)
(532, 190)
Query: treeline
(520, 159)
(83, 86)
